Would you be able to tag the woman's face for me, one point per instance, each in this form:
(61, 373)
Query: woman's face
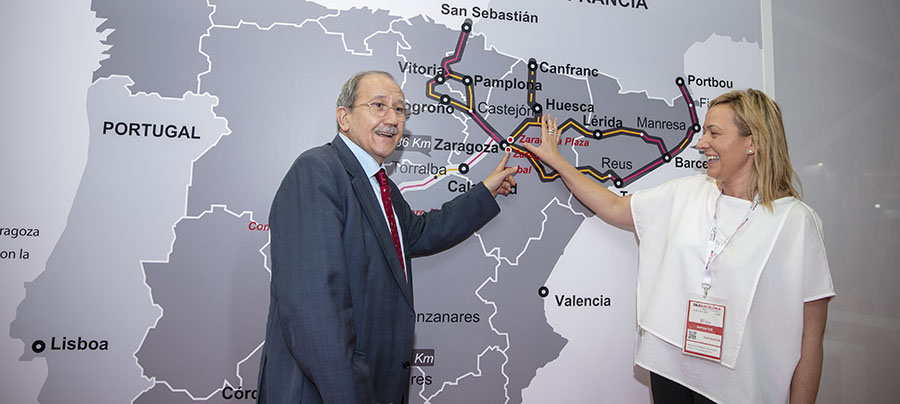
(728, 155)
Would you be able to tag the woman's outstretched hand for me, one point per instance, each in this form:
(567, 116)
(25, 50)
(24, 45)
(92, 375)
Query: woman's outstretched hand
(548, 150)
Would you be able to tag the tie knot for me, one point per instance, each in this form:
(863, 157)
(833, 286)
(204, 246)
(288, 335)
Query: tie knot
(381, 176)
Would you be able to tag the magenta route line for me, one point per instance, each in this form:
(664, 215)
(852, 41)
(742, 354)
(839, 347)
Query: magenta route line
(652, 165)
(418, 185)
(689, 104)
(657, 141)
(485, 128)
(462, 40)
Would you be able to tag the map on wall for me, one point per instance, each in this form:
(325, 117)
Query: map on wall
(157, 290)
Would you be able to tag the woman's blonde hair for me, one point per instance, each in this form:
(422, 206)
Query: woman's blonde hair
(756, 115)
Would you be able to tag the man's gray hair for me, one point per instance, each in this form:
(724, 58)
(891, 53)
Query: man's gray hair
(350, 89)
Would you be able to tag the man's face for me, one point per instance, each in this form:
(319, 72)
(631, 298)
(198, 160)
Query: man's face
(377, 135)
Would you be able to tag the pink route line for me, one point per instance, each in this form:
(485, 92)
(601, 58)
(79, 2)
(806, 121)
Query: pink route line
(655, 163)
(657, 141)
(485, 128)
(418, 185)
(690, 104)
(693, 117)
(642, 135)
(462, 40)
(659, 161)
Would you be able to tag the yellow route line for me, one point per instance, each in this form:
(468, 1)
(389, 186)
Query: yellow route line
(539, 167)
(436, 176)
(582, 129)
(519, 149)
(522, 129)
(531, 79)
(566, 125)
(587, 171)
(544, 175)
(468, 108)
(623, 130)
(459, 105)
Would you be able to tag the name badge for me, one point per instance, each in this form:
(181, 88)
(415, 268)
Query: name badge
(704, 327)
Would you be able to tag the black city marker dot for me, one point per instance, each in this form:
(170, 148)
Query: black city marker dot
(504, 144)
(38, 346)
(467, 26)
(696, 127)
(537, 108)
(543, 291)
(445, 99)
(618, 183)
(463, 168)
(467, 80)
(667, 158)
(598, 133)
(439, 79)
(679, 81)
(532, 65)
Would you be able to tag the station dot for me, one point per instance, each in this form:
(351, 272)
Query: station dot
(543, 291)
(696, 127)
(463, 168)
(38, 346)
(439, 79)
(679, 81)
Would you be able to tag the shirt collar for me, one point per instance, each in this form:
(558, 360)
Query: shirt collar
(368, 163)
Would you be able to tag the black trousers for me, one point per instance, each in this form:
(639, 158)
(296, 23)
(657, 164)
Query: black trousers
(666, 391)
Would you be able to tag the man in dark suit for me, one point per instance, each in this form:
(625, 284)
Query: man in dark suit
(341, 316)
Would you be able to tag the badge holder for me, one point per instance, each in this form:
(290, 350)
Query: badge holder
(704, 328)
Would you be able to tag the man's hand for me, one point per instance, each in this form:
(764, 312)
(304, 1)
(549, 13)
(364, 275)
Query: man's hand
(501, 180)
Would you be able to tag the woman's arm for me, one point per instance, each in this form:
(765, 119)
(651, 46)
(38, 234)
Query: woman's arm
(612, 208)
(805, 381)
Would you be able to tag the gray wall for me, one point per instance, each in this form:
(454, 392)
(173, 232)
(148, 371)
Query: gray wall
(836, 78)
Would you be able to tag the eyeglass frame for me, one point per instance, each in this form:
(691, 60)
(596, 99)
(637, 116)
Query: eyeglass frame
(406, 114)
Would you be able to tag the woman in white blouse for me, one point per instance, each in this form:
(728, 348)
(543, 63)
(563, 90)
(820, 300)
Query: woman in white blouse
(736, 240)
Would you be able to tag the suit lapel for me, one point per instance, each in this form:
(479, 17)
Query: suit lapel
(373, 211)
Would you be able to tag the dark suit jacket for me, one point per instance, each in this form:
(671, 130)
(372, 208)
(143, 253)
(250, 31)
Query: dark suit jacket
(341, 316)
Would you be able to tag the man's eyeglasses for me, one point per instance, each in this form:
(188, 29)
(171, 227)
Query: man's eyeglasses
(380, 109)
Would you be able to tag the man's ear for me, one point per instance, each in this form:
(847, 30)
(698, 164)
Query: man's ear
(343, 119)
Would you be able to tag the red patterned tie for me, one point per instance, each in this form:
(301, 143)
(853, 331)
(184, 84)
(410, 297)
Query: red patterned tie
(386, 201)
